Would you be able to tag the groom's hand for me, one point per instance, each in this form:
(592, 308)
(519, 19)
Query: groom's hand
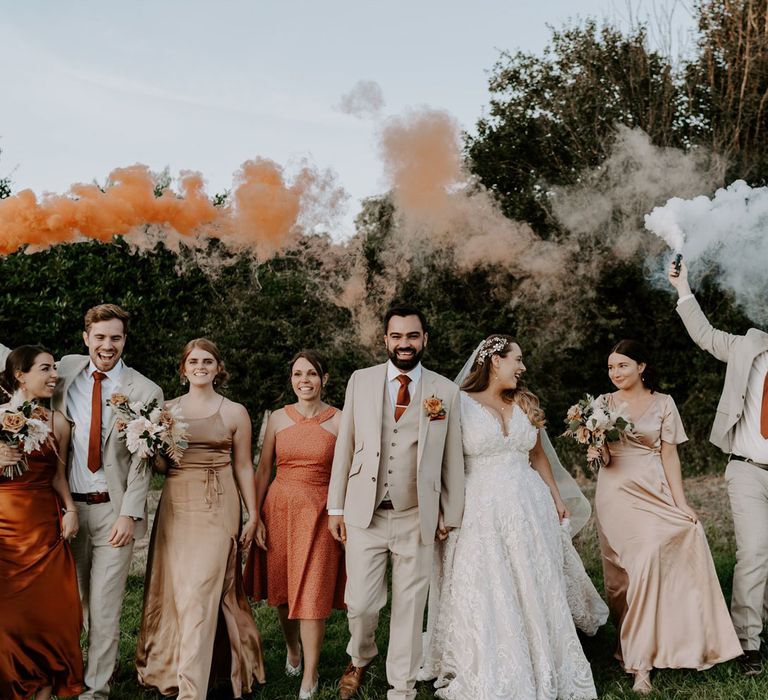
(337, 528)
(442, 531)
(122, 532)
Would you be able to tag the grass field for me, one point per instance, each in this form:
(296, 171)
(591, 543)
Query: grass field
(706, 494)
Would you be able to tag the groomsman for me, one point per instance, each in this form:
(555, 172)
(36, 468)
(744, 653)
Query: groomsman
(397, 483)
(107, 483)
(741, 431)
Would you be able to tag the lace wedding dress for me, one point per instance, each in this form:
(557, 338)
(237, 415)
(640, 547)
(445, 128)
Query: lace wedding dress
(509, 583)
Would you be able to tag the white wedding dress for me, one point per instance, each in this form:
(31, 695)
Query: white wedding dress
(509, 584)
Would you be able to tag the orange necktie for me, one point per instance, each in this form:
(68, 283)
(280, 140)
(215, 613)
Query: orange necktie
(403, 397)
(764, 410)
(94, 436)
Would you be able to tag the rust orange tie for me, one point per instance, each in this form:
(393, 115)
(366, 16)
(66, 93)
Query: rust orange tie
(94, 436)
(403, 397)
(764, 410)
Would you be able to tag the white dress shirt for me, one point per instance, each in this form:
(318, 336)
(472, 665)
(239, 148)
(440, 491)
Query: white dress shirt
(394, 385)
(82, 479)
(747, 439)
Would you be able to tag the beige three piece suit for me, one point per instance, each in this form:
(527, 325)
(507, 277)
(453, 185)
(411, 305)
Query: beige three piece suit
(418, 463)
(102, 570)
(747, 484)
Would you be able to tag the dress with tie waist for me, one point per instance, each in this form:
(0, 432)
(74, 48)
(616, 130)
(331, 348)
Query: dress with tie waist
(197, 622)
(660, 580)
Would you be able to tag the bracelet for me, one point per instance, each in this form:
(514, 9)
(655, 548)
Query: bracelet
(68, 510)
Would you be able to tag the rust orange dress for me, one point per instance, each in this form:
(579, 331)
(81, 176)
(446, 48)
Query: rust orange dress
(304, 565)
(40, 613)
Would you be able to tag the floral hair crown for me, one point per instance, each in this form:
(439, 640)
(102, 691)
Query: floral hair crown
(490, 347)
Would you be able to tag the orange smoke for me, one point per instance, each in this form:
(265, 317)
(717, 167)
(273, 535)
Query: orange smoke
(422, 157)
(261, 213)
(441, 205)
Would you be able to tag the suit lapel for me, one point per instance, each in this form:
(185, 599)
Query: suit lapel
(61, 401)
(382, 391)
(427, 390)
(125, 386)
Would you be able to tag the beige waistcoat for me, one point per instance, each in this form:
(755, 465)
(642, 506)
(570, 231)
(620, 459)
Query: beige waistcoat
(399, 447)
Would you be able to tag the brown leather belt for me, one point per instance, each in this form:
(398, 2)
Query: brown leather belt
(92, 498)
(386, 505)
(739, 458)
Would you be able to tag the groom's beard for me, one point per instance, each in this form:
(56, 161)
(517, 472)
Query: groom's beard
(405, 363)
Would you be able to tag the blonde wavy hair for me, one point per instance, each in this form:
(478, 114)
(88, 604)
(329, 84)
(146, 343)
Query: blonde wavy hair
(479, 378)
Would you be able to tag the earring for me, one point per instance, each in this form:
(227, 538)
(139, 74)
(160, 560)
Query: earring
(183, 381)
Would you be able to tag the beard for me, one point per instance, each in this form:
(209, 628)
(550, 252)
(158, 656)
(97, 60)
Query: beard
(405, 364)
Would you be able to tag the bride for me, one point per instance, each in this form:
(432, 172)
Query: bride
(509, 584)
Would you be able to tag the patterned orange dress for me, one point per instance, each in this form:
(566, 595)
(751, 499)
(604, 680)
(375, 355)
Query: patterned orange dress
(304, 565)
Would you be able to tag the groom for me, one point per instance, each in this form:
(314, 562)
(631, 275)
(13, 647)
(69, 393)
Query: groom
(397, 483)
(107, 483)
(741, 431)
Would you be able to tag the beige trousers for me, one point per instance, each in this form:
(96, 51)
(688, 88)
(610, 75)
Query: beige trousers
(396, 535)
(102, 572)
(748, 493)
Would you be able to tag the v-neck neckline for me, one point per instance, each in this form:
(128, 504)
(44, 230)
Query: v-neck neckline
(501, 424)
(632, 419)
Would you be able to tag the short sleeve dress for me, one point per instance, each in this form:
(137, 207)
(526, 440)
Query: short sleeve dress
(660, 581)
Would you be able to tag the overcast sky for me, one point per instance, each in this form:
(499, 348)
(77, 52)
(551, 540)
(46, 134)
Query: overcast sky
(92, 85)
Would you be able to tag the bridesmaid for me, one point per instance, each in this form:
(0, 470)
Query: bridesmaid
(197, 623)
(660, 580)
(303, 575)
(40, 614)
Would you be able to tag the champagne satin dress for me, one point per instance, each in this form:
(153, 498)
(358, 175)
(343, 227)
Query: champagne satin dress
(304, 566)
(197, 625)
(660, 580)
(40, 613)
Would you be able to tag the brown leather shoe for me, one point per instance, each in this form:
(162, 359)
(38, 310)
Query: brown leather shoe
(351, 680)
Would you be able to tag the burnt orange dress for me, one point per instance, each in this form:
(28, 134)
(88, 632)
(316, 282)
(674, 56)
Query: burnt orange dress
(304, 565)
(40, 613)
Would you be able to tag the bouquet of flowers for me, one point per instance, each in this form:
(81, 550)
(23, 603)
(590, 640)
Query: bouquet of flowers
(147, 428)
(591, 422)
(23, 424)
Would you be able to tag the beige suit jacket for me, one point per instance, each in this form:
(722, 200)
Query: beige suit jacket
(739, 351)
(440, 457)
(127, 482)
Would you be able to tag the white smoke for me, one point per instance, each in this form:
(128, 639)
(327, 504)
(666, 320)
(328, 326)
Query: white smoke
(364, 100)
(725, 236)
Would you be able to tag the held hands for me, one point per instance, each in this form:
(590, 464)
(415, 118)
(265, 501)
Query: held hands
(337, 528)
(679, 280)
(260, 537)
(122, 531)
(442, 531)
(249, 530)
(70, 525)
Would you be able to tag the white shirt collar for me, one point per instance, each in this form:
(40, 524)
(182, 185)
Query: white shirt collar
(113, 374)
(393, 372)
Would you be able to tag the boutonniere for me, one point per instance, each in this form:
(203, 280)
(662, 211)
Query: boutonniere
(434, 408)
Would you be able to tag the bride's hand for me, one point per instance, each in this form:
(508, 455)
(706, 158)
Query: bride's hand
(562, 510)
